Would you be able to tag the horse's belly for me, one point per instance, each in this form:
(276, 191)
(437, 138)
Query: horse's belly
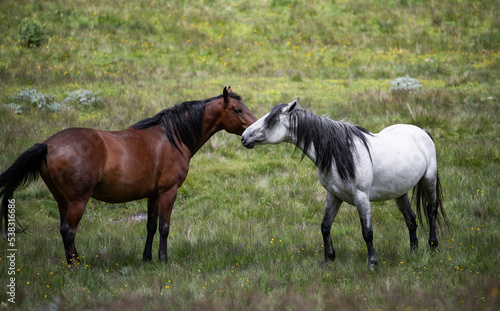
(395, 179)
(113, 196)
(378, 194)
(124, 187)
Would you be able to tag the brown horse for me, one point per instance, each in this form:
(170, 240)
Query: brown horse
(150, 160)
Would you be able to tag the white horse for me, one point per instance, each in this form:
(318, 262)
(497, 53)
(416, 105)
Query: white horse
(356, 166)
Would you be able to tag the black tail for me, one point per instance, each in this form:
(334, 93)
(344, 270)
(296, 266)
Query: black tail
(21, 173)
(421, 201)
(421, 204)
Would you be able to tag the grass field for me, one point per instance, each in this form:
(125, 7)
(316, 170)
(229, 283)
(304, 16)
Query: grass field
(245, 231)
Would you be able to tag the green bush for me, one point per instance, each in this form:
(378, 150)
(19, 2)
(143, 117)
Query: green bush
(31, 33)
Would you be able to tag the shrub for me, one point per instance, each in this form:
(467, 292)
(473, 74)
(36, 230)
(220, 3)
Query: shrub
(16, 108)
(31, 33)
(34, 99)
(85, 98)
(405, 84)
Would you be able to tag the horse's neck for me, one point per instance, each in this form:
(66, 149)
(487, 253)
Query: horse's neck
(210, 125)
(310, 153)
(205, 136)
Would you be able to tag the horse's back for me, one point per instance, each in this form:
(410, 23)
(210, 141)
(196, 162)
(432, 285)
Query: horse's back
(406, 130)
(405, 138)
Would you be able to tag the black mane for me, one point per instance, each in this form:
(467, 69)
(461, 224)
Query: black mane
(333, 141)
(177, 126)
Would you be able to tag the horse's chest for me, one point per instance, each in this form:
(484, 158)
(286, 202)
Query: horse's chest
(335, 186)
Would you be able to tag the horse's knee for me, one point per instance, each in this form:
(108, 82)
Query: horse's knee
(164, 230)
(432, 210)
(68, 234)
(367, 234)
(151, 227)
(326, 228)
(412, 225)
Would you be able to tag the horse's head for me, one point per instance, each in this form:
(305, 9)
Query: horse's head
(235, 116)
(273, 128)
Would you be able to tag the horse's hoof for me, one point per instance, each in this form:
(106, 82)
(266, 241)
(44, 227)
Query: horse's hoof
(433, 244)
(73, 265)
(329, 258)
(163, 258)
(328, 261)
(372, 263)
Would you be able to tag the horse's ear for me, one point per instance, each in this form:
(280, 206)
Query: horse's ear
(225, 94)
(291, 106)
(229, 89)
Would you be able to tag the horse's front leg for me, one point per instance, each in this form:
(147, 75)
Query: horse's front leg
(332, 207)
(151, 226)
(365, 216)
(166, 204)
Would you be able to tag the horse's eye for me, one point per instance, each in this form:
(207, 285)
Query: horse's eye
(238, 111)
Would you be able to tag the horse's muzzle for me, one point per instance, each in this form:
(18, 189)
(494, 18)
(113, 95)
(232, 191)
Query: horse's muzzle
(247, 143)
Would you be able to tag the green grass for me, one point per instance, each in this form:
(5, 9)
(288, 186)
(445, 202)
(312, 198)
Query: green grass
(245, 232)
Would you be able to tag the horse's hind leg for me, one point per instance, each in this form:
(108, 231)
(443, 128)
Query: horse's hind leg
(62, 203)
(432, 210)
(69, 227)
(429, 187)
(403, 204)
(66, 223)
(332, 207)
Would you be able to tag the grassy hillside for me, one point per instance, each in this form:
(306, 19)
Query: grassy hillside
(245, 232)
